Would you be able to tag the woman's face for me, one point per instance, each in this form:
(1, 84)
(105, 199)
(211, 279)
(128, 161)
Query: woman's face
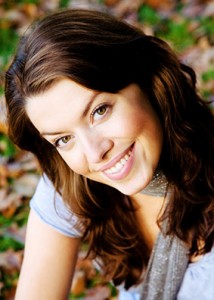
(115, 139)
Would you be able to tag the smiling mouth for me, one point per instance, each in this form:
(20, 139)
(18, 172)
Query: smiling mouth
(120, 164)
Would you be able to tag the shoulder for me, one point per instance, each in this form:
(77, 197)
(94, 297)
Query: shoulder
(198, 282)
(49, 206)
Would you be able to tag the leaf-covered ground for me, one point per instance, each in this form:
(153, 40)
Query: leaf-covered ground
(187, 25)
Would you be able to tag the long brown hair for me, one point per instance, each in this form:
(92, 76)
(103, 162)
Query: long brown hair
(105, 54)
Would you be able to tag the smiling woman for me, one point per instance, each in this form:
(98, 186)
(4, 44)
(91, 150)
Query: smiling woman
(126, 147)
(103, 147)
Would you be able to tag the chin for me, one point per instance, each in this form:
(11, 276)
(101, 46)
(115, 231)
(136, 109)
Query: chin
(129, 191)
(136, 187)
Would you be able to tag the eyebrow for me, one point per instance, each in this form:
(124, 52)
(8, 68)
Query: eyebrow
(84, 113)
(89, 104)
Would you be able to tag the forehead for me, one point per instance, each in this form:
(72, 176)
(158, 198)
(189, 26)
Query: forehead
(57, 103)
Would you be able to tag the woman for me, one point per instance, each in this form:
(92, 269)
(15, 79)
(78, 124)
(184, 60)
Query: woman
(122, 136)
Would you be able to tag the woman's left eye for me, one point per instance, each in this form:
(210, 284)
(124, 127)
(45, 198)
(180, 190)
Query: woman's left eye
(99, 112)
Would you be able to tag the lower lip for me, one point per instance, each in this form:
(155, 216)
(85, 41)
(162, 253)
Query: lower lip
(124, 171)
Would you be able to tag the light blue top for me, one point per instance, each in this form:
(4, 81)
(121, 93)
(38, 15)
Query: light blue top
(198, 282)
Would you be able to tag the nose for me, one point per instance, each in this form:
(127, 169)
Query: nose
(94, 146)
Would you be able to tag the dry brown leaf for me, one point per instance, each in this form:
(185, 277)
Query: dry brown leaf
(10, 211)
(209, 9)
(160, 5)
(203, 43)
(16, 233)
(8, 200)
(25, 161)
(11, 259)
(79, 282)
(3, 195)
(30, 10)
(49, 5)
(26, 184)
(3, 176)
(111, 2)
(3, 127)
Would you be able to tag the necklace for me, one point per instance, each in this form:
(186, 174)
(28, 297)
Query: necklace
(157, 186)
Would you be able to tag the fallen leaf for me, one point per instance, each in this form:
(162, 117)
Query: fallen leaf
(26, 184)
(7, 200)
(11, 259)
(79, 282)
(16, 233)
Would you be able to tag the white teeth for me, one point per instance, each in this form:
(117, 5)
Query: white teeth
(114, 169)
(119, 165)
(108, 171)
(123, 161)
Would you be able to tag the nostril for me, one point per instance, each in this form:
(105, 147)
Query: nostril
(97, 152)
(107, 146)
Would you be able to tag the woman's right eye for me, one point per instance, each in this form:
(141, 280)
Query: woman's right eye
(99, 112)
(62, 141)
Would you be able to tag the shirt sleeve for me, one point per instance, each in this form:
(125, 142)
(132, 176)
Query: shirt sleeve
(198, 282)
(49, 206)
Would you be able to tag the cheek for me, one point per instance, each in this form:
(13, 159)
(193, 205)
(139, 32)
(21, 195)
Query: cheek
(75, 163)
(128, 123)
(133, 124)
(145, 125)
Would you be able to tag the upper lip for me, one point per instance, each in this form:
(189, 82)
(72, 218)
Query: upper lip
(116, 159)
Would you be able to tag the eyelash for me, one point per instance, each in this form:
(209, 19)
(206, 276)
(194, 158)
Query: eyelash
(56, 142)
(92, 116)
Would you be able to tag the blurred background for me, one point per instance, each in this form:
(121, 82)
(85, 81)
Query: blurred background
(187, 25)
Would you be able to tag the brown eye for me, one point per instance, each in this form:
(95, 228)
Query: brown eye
(62, 141)
(66, 139)
(99, 112)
